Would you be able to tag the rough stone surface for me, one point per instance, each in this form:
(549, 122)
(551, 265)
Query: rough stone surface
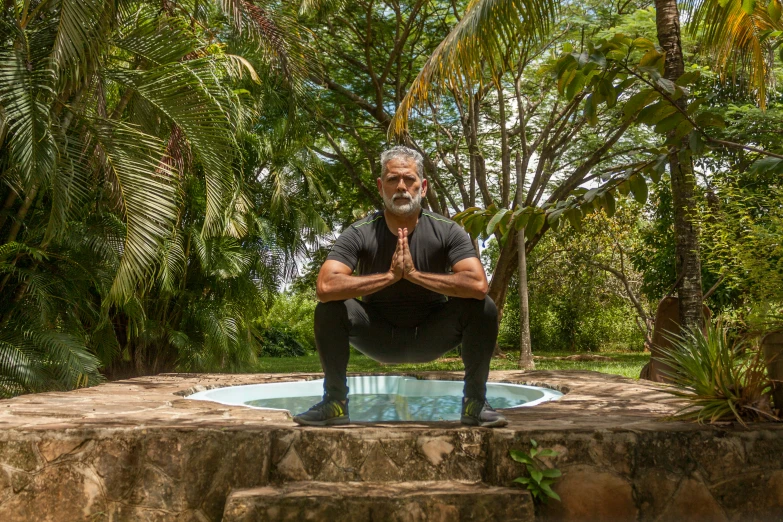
(137, 450)
(591, 495)
(443, 501)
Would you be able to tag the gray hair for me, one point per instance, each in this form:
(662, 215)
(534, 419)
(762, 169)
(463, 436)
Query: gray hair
(402, 152)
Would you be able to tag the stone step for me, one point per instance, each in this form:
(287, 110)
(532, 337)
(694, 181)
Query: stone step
(380, 501)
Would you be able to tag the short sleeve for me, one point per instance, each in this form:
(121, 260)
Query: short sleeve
(347, 248)
(458, 245)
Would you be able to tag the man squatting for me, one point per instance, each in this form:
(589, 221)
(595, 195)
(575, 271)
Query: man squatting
(423, 291)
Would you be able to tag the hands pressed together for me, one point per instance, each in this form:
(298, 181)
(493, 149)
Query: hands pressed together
(402, 261)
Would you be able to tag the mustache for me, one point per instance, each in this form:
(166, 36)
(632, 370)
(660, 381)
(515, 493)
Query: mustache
(401, 195)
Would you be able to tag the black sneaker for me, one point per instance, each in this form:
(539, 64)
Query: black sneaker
(328, 412)
(480, 413)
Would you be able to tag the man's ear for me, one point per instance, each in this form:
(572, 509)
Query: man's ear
(380, 185)
(424, 186)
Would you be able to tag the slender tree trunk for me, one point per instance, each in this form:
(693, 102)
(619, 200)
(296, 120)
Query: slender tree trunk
(525, 350)
(686, 231)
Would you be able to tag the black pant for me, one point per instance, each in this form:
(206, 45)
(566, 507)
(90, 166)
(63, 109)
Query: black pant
(471, 322)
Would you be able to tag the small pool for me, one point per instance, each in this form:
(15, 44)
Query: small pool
(379, 398)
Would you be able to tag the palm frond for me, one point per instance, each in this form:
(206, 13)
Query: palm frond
(190, 95)
(737, 38)
(147, 190)
(488, 29)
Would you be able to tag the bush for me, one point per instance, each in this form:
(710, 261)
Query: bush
(277, 342)
(721, 380)
(286, 329)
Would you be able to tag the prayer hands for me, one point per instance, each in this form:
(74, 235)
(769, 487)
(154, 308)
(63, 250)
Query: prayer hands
(402, 261)
(398, 262)
(407, 259)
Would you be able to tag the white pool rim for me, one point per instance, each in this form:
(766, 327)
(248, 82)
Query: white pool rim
(372, 384)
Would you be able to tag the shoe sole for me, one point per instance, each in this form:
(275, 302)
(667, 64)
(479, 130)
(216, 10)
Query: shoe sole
(329, 422)
(470, 421)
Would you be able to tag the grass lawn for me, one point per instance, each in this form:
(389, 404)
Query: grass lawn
(627, 364)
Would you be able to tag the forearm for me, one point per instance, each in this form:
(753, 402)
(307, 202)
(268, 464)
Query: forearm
(460, 284)
(339, 287)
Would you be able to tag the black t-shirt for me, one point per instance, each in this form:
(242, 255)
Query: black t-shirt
(436, 245)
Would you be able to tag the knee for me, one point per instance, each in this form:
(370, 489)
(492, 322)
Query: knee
(490, 310)
(483, 310)
(329, 315)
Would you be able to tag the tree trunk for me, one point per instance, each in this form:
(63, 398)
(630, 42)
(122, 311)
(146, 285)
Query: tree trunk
(525, 351)
(686, 232)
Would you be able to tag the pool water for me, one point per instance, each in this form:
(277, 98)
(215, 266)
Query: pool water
(376, 407)
(379, 398)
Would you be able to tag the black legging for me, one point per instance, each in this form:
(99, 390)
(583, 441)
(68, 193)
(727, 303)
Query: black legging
(471, 322)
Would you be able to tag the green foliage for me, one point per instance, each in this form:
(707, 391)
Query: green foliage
(540, 476)
(288, 320)
(276, 342)
(721, 380)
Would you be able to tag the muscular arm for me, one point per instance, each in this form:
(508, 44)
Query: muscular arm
(466, 280)
(335, 282)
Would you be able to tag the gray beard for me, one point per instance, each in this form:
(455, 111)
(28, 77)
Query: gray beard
(412, 207)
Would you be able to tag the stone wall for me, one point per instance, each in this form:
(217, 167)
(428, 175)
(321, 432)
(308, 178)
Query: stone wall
(127, 474)
(708, 475)
(170, 474)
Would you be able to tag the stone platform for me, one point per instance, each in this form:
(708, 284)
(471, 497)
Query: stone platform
(138, 450)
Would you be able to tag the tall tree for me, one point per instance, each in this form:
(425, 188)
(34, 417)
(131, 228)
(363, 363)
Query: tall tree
(686, 227)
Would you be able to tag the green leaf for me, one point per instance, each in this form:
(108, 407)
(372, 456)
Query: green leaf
(709, 119)
(548, 452)
(567, 47)
(669, 123)
(766, 164)
(654, 113)
(551, 473)
(548, 490)
(667, 85)
(688, 78)
(683, 129)
(461, 216)
(609, 204)
(521, 220)
(535, 225)
(749, 6)
(638, 101)
(598, 58)
(521, 456)
(575, 85)
(608, 91)
(624, 187)
(639, 188)
(644, 44)
(533, 443)
(521, 480)
(590, 112)
(574, 217)
(536, 475)
(477, 225)
(696, 142)
(565, 80)
(774, 10)
(495, 220)
(650, 58)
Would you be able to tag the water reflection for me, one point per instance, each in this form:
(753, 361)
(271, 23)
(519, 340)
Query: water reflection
(381, 407)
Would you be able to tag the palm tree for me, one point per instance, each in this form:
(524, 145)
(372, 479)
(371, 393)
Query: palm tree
(108, 109)
(686, 231)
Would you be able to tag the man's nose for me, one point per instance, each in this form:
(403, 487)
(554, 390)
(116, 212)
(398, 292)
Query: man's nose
(401, 186)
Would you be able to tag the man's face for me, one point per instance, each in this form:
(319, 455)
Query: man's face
(401, 188)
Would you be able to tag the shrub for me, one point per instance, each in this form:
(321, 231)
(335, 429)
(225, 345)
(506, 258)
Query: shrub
(286, 329)
(280, 342)
(721, 380)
